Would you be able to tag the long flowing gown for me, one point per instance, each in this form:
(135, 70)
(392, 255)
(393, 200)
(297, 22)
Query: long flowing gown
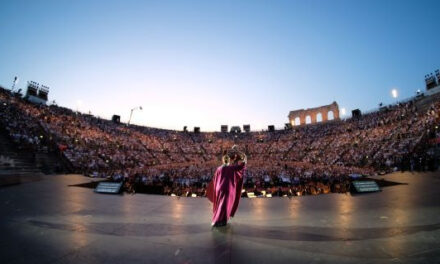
(224, 191)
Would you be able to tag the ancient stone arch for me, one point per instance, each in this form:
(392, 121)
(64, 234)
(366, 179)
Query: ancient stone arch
(319, 117)
(313, 112)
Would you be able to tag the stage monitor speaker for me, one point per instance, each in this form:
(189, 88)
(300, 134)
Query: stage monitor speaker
(271, 128)
(364, 186)
(116, 119)
(356, 113)
(109, 187)
(247, 128)
(224, 128)
(196, 129)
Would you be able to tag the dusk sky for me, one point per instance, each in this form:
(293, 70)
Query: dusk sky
(208, 63)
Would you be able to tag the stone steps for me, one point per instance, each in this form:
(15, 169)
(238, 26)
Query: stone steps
(16, 165)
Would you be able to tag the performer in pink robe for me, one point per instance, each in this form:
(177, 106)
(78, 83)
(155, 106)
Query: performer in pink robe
(225, 189)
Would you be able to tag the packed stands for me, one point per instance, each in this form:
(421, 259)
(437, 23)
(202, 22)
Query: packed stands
(305, 159)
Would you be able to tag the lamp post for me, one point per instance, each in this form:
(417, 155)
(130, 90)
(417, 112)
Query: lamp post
(131, 113)
(14, 83)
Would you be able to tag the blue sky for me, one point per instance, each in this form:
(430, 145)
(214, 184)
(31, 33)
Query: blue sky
(207, 63)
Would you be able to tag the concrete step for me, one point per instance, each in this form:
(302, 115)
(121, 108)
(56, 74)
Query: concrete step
(26, 160)
(18, 178)
(8, 172)
(18, 168)
(20, 163)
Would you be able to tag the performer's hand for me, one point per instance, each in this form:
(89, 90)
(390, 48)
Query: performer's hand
(243, 158)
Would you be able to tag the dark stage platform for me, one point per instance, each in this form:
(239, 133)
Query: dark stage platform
(46, 221)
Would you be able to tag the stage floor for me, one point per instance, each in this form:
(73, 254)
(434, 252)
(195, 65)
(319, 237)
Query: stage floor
(48, 222)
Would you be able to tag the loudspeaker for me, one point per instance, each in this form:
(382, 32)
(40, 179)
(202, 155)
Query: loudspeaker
(116, 119)
(356, 113)
(196, 129)
(235, 129)
(224, 128)
(185, 129)
(247, 128)
(42, 93)
(271, 128)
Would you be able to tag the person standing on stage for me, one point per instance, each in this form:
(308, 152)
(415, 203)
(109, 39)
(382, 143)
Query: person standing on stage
(225, 188)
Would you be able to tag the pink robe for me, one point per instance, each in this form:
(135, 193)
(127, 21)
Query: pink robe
(224, 191)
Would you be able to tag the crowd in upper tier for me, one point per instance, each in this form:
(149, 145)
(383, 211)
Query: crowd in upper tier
(393, 138)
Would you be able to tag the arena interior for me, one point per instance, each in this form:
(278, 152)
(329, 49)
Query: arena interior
(52, 157)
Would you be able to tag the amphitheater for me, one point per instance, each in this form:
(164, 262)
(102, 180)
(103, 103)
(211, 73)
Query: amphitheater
(318, 157)
(47, 152)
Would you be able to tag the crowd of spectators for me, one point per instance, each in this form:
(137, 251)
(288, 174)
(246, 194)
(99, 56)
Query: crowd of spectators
(307, 159)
